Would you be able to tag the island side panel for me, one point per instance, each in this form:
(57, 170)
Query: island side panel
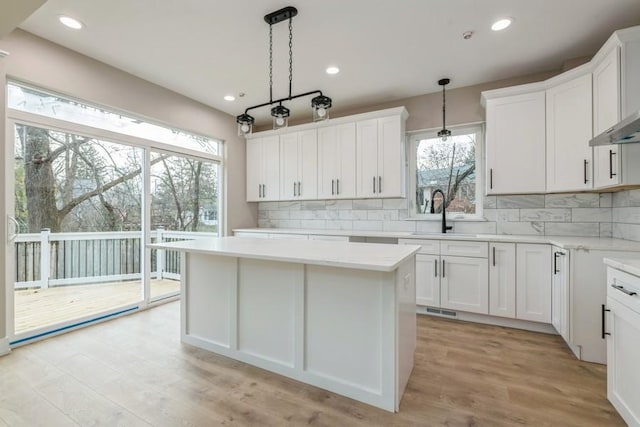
(406, 325)
(209, 288)
(350, 318)
(267, 313)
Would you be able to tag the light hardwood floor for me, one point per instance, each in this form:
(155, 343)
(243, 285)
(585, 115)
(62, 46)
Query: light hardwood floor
(133, 371)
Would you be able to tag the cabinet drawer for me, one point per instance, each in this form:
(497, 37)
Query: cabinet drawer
(463, 248)
(629, 283)
(429, 247)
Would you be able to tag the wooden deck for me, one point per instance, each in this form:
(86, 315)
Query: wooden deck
(35, 308)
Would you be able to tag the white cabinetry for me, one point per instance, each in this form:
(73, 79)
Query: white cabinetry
(560, 307)
(569, 129)
(616, 85)
(299, 165)
(533, 282)
(336, 161)
(452, 275)
(516, 144)
(263, 169)
(380, 157)
(502, 279)
(623, 344)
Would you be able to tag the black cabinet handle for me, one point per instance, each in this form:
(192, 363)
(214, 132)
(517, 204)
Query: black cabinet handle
(604, 309)
(611, 154)
(379, 184)
(494, 256)
(264, 190)
(338, 186)
(333, 188)
(435, 265)
(374, 185)
(555, 263)
(491, 178)
(299, 190)
(585, 171)
(622, 289)
(443, 269)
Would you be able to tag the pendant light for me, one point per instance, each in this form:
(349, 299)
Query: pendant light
(444, 133)
(320, 104)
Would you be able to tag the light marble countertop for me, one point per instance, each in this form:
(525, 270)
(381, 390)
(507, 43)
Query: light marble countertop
(628, 265)
(565, 242)
(362, 256)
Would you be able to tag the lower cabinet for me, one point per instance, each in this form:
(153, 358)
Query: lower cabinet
(502, 279)
(623, 344)
(533, 282)
(560, 293)
(455, 282)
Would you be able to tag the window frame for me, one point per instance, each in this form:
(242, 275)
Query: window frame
(414, 137)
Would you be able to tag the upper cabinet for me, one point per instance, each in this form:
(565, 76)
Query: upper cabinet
(299, 165)
(336, 161)
(616, 95)
(380, 157)
(263, 169)
(574, 106)
(569, 156)
(516, 144)
(328, 160)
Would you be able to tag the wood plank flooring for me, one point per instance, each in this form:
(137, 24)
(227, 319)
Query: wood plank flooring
(133, 371)
(35, 308)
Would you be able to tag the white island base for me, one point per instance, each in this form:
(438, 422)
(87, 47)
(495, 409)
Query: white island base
(351, 331)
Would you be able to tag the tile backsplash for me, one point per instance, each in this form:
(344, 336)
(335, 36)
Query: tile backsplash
(579, 214)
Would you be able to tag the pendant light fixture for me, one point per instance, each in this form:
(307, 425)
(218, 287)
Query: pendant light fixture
(444, 133)
(320, 104)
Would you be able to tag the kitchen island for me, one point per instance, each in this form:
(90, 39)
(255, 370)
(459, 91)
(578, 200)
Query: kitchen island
(337, 315)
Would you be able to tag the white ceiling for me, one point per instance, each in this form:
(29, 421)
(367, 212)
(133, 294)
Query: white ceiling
(386, 49)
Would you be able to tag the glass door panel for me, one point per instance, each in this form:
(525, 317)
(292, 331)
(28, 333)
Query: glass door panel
(184, 205)
(78, 205)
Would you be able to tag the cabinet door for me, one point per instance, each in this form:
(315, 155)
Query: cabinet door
(569, 129)
(606, 113)
(254, 170)
(346, 161)
(516, 144)
(533, 282)
(271, 165)
(308, 165)
(560, 293)
(289, 166)
(502, 279)
(328, 165)
(623, 354)
(390, 157)
(367, 158)
(427, 280)
(464, 284)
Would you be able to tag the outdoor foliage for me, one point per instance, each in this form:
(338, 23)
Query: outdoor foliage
(71, 183)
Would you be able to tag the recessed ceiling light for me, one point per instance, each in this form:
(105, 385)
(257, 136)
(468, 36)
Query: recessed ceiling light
(229, 98)
(501, 24)
(70, 22)
(333, 70)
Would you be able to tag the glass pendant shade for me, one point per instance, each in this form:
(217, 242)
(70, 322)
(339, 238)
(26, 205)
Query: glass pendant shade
(245, 124)
(280, 116)
(320, 105)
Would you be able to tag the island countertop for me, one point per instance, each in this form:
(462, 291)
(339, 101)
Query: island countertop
(362, 256)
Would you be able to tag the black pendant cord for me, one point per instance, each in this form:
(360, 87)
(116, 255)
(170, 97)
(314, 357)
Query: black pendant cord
(290, 55)
(270, 63)
(444, 110)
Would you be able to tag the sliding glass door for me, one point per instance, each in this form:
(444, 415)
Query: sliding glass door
(77, 216)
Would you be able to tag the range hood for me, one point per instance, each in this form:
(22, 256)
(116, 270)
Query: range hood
(628, 130)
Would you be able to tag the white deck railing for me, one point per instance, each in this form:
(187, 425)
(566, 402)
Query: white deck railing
(85, 258)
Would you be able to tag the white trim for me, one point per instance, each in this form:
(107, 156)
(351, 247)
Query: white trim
(4, 346)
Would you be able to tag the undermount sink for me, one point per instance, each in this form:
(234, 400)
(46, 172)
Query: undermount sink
(431, 233)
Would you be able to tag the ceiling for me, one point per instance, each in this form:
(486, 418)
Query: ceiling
(386, 50)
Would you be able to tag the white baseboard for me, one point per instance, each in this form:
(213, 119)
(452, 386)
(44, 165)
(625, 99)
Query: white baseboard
(4, 346)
